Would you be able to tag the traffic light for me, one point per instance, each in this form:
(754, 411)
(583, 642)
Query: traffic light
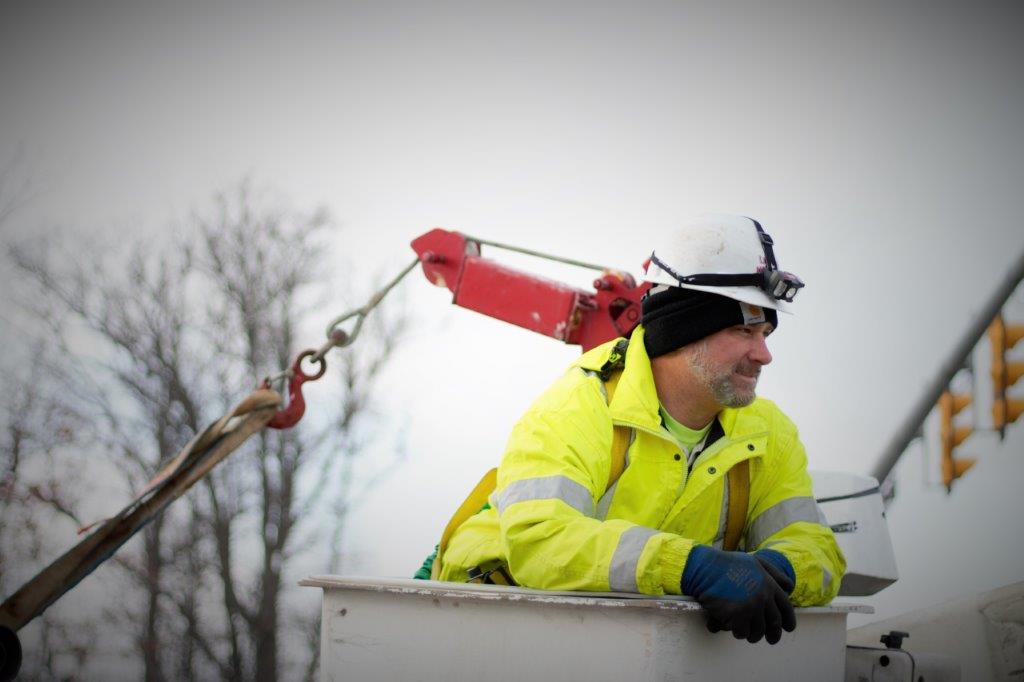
(951, 436)
(1005, 373)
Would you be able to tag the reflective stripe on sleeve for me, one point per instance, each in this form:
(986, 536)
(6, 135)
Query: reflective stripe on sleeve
(622, 571)
(605, 502)
(778, 516)
(546, 488)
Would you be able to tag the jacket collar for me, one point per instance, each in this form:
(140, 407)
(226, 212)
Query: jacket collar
(635, 402)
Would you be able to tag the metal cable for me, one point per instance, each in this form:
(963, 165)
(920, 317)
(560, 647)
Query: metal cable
(338, 337)
(538, 254)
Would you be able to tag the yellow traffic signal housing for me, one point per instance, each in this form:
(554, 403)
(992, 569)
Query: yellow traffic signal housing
(1005, 373)
(951, 436)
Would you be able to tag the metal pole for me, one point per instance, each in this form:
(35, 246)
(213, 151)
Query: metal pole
(912, 424)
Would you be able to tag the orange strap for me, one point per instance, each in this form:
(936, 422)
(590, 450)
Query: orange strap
(739, 494)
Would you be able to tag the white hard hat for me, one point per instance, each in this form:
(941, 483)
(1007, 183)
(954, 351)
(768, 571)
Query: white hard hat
(728, 255)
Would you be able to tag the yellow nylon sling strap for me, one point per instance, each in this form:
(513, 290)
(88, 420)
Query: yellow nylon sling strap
(739, 493)
(470, 506)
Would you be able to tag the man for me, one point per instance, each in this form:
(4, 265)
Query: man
(561, 518)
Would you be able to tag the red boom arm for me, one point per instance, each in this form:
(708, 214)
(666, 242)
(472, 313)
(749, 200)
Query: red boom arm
(575, 316)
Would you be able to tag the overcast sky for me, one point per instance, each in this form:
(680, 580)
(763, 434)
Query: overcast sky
(879, 143)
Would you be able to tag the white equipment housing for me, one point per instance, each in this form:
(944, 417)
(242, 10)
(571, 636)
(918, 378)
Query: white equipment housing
(853, 506)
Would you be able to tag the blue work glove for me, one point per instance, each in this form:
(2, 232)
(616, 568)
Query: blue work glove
(778, 567)
(739, 593)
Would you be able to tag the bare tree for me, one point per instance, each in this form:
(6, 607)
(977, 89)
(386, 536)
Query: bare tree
(33, 497)
(35, 431)
(176, 334)
(16, 188)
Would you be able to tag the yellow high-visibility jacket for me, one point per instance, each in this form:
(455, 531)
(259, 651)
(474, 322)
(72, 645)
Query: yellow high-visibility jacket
(556, 527)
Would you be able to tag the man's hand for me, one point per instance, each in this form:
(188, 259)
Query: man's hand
(743, 593)
(778, 567)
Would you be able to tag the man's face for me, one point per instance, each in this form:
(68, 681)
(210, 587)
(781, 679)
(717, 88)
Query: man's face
(728, 363)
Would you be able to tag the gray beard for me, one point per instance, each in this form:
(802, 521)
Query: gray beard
(721, 386)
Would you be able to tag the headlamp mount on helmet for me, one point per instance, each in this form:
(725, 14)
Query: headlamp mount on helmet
(780, 285)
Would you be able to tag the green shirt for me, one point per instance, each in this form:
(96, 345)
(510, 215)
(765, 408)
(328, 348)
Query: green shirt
(691, 441)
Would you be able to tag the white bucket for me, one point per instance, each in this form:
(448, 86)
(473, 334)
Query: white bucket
(853, 506)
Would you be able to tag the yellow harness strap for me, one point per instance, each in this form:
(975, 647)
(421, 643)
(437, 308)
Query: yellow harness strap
(739, 493)
(471, 505)
(621, 435)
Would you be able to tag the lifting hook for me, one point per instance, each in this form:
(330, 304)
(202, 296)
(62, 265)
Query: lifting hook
(290, 416)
